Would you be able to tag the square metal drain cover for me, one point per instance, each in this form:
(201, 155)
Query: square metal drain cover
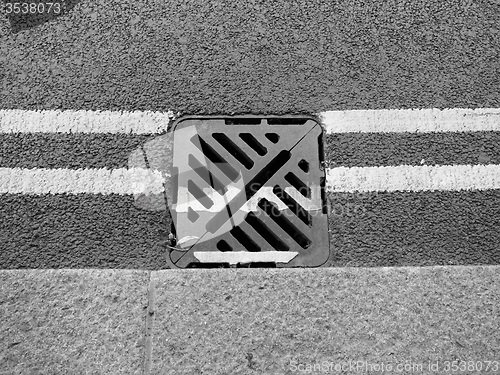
(248, 190)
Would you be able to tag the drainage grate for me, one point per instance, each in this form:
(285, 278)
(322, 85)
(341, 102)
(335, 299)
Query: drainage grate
(248, 190)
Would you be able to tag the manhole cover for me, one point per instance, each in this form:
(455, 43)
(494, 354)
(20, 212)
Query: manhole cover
(248, 190)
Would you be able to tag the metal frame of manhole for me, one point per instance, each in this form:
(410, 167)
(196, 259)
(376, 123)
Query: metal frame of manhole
(248, 190)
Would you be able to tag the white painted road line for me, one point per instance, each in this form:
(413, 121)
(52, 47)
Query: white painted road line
(146, 181)
(70, 121)
(234, 257)
(147, 122)
(412, 120)
(414, 178)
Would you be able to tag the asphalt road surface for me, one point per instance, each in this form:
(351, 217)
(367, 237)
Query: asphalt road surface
(225, 57)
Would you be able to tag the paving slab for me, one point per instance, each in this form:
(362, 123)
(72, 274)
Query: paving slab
(286, 321)
(72, 321)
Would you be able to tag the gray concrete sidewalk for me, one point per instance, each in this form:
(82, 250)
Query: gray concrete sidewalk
(72, 321)
(245, 321)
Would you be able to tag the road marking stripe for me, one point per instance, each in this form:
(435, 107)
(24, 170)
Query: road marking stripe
(234, 257)
(412, 120)
(70, 121)
(145, 181)
(149, 122)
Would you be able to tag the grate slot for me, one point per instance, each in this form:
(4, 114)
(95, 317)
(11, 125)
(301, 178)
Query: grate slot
(250, 189)
(298, 184)
(215, 158)
(293, 205)
(265, 232)
(323, 195)
(273, 137)
(287, 121)
(274, 213)
(223, 246)
(304, 166)
(192, 215)
(250, 140)
(321, 150)
(233, 149)
(243, 121)
(208, 265)
(205, 174)
(199, 194)
(255, 236)
(244, 239)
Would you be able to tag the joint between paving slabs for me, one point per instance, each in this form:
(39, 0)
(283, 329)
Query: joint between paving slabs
(150, 312)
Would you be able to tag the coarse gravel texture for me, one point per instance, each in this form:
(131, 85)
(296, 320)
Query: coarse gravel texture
(72, 321)
(246, 321)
